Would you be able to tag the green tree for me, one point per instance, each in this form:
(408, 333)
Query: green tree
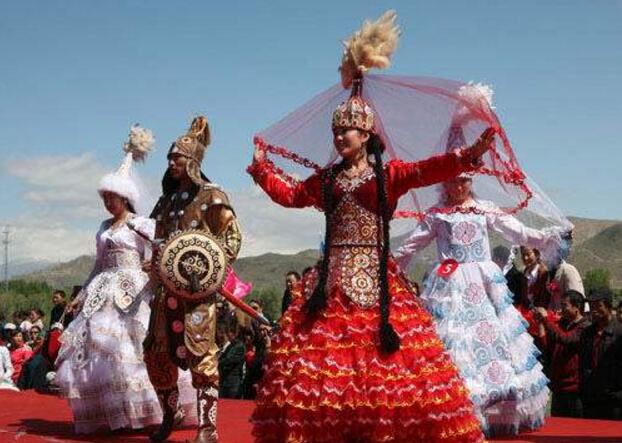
(24, 296)
(597, 279)
(271, 299)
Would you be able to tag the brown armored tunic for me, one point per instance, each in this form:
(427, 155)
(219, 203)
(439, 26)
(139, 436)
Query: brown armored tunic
(190, 327)
(205, 209)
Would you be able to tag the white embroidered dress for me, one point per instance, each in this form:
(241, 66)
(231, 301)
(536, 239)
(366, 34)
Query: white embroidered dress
(472, 307)
(100, 366)
(6, 369)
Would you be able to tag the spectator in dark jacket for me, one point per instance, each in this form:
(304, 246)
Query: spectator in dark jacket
(257, 305)
(291, 280)
(559, 341)
(231, 362)
(537, 276)
(59, 299)
(600, 360)
(254, 371)
(517, 283)
(34, 375)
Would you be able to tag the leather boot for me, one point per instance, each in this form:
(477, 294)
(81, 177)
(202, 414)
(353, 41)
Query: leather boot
(168, 401)
(207, 401)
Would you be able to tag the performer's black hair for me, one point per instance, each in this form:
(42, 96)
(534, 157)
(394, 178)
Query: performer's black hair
(317, 301)
(171, 185)
(389, 339)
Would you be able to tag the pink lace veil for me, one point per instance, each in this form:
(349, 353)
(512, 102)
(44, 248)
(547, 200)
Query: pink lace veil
(416, 117)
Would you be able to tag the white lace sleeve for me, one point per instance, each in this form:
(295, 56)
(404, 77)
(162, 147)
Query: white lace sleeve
(144, 226)
(145, 229)
(421, 237)
(6, 367)
(551, 241)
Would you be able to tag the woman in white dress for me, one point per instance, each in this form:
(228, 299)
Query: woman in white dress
(6, 367)
(472, 306)
(100, 367)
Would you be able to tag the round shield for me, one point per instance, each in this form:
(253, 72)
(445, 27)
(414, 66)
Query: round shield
(192, 264)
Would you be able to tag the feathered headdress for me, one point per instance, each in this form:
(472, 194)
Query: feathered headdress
(474, 98)
(138, 146)
(370, 47)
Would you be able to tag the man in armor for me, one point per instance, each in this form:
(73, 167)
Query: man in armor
(182, 332)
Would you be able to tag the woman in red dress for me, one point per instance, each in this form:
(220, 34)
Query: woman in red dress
(357, 358)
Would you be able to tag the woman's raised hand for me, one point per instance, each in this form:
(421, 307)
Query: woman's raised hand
(259, 155)
(483, 143)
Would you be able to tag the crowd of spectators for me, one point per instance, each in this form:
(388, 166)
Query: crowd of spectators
(579, 334)
(28, 349)
(580, 338)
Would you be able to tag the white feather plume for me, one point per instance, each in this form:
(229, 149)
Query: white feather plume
(140, 142)
(474, 92)
(474, 96)
(370, 47)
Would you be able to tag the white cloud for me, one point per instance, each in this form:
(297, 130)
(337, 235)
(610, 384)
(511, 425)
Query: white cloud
(269, 227)
(61, 192)
(64, 185)
(64, 210)
(48, 238)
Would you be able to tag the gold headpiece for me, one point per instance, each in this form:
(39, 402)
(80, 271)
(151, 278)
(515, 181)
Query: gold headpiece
(354, 113)
(369, 47)
(193, 146)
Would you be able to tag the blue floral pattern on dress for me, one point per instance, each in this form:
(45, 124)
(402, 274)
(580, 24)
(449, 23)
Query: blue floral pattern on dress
(486, 336)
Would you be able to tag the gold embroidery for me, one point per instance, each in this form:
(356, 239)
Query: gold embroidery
(354, 259)
(353, 224)
(355, 270)
(350, 184)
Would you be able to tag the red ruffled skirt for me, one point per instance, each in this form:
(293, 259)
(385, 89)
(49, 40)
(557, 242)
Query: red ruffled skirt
(327, 380)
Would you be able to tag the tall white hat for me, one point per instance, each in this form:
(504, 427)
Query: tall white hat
(120, 182)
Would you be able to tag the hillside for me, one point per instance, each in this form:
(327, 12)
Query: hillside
(64, 275)
(586, 228)
(28, 267)
(603, 250)
(268, 270)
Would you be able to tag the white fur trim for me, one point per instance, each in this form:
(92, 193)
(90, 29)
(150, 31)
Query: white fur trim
(120, 185)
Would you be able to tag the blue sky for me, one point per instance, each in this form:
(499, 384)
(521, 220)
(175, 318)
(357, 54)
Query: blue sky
(76, 74)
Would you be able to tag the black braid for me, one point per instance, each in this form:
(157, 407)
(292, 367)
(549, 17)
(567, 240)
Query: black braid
(317, 301)
(389, 339)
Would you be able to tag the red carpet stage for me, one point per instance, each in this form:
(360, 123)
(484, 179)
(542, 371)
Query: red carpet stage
(26, 417)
